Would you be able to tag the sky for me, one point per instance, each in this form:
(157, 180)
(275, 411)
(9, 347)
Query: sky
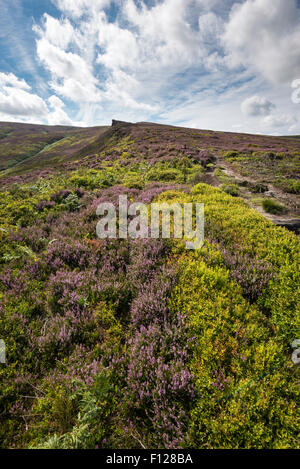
(229, 65)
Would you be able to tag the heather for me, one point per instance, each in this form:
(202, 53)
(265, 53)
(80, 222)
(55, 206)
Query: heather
(141, 343)
(24, 147)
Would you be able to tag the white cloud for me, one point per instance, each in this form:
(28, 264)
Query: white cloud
(77, 90)
(257, 106)
(296, 92)
(11, 80)
(164, 35)
(78, 8)
(17, 102)
(282, 120)
(72, 77)
(58, 32)
(58, 116)
(191, 62)
(119, 47)
(60, 63)
(117, 94)
(264, 36)
(55, 102)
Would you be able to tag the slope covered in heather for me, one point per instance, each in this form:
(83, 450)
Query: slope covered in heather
(24, 147)
(142, 343)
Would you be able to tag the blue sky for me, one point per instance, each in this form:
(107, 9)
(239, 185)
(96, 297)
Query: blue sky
(229, 65)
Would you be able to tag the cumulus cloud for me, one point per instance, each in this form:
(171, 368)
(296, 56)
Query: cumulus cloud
(55, 102)
(16, 100)
(153, 55)
(72, 76)
(11, 80)
(264, 35)
(257, 106)
(152, 59)
(58, 116)
(165, 37)
(139, 54)
(119, 47)
(19, 103)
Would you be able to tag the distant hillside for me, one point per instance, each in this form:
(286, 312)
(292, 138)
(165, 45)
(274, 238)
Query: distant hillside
(27, 146)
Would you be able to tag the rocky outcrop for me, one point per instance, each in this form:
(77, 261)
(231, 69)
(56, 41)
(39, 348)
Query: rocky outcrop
(119, 123)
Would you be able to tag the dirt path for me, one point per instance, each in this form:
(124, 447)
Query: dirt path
(289, 220)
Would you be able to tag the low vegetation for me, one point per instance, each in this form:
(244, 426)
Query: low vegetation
(271, 206)
(141, 343)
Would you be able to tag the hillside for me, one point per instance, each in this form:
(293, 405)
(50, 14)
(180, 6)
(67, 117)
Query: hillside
(24, 147)
(252, 166)
(141, 343)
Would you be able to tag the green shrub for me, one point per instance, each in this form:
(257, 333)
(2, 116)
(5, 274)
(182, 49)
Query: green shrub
(231, 189)
(134, 183)
(294, 186)
(230, 154)
(72, 202)
(157, 174)
(258, 188)
(134, 180)
(229, 221)
(273, 207)
(93, 179)
(243, 378)
(201, 189)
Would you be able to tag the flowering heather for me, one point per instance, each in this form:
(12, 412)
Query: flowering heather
(151, 304)
(159, 385)
(44, 204)
(140, 343)
(152, 190)
(252, 274)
